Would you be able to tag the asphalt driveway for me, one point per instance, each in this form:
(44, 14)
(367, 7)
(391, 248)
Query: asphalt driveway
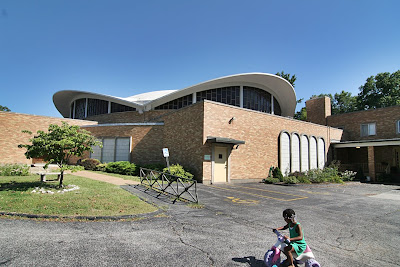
(345, 225)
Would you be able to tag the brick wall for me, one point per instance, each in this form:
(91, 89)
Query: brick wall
(261, 133)
(147, 140)
(129, 117)
(318, 110)
(385, 119)
(183, 136)
(11, 127)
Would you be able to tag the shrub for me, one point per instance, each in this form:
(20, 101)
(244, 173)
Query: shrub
(121, 167)
(290, 180)
(14, 170)
(155, 167)
(277, 174)
(348, 175)
(178, 170)
(101, 167)
(90, 164)
(329, 174)
(303, 180)
(271, 180)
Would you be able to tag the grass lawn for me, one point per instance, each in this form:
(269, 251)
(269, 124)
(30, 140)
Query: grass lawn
(93, 198)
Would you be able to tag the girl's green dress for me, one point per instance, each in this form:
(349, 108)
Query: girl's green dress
(299, 246)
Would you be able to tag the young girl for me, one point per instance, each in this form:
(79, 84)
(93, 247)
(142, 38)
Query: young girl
(297, 242)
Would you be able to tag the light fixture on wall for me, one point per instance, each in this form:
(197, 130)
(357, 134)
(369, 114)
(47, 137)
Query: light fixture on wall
(237, 146)
(357, 147)
(231, 120)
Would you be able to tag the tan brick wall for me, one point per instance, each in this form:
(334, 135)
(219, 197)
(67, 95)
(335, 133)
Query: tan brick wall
(183, 136)
(318, 110)
(11, 127)
(261, 133)
(129, 117)
(385, 119)
(147, 140)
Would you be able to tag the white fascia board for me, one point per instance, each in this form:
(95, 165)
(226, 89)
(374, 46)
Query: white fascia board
(367, 143)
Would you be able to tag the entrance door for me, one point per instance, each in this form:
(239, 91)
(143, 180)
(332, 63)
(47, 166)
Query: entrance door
(220, 164)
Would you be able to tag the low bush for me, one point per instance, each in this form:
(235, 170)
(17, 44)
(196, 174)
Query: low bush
(90, 164)
(155, 167)
(290, 180)
(178, 170)
(276, 173)
(101, 167)
(271, 180)
(14, 170)
(121, 167)
(348, 175)
(303, 180)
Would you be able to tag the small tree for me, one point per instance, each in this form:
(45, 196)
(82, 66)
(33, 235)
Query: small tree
(4, 108)
(59, 144)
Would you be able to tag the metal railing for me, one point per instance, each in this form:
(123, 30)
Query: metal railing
(178, 187)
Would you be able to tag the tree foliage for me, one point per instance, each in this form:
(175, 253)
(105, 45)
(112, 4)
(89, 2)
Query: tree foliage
(301, 115)
(59, 144)
(4, 108)
(290, 78)
(382, 90)
(342, 102)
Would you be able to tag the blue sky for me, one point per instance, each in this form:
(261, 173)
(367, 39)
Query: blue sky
(123, 48)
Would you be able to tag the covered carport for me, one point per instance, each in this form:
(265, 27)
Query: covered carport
(371, 156)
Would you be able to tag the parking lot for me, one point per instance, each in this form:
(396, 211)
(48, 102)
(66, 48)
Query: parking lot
(345, 225)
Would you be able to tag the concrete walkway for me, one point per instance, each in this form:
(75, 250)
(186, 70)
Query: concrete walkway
(104, 178)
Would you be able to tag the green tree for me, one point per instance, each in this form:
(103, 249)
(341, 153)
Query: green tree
(301, 115)
(59, 144)
(287, 77)
(341, 102)
(4, 108)
(382, 90)
(344, 102)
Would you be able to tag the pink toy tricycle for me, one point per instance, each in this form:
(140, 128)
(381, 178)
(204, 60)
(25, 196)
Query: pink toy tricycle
(273, 256)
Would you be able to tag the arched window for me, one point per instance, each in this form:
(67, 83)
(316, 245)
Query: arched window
(321, 153)
(313, 153)
(295, 153)
(284, 152)
(256, 99)
(304, 153)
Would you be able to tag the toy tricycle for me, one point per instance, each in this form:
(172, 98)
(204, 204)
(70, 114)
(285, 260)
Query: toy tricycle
(273, 256)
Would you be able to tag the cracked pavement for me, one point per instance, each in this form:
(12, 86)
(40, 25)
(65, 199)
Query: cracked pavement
(345, 225)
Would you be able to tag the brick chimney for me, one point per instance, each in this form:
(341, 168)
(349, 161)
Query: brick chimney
(318, 109)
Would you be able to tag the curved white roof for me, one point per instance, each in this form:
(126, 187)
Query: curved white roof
(280, 88)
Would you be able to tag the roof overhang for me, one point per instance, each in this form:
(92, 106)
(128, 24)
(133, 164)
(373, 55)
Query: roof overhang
(367, 143)
(280, 88)
(224, 140)
(63, 99)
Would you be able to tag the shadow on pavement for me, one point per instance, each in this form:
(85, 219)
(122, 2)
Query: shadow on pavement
(251, 260)
(164, 197)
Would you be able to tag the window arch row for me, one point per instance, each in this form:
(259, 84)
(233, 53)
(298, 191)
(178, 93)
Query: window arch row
(240, 96)
(300, 152)
(85, 107)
